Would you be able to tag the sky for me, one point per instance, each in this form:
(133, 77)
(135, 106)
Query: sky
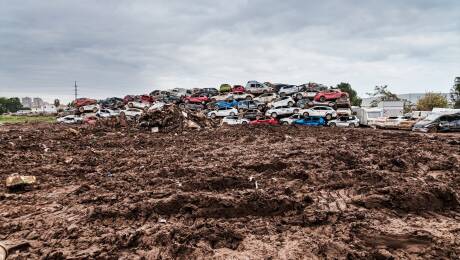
(114, 48)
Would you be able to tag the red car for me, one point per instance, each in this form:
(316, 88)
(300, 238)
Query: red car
(80, 102)
(203, 99)
(330, 95)
(264, 121)
(90, 120)
(238, 89)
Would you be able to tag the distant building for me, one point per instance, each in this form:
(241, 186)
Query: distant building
(392, 108)
(45, 109)
(37, 102)
(26, 102)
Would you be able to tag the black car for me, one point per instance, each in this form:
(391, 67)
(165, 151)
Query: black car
(252, 114)
(438, 123)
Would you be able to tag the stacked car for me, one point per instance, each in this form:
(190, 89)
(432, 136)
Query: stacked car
(255, 103)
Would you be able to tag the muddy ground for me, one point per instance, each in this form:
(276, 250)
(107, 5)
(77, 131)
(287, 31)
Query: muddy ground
(231, 193)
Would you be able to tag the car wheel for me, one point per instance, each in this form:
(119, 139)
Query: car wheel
(95, 110)
(352, 125)
(213, 115)
(260, 107)
(332, 125)
(322, 98)
(265, 91)
(130, 105)
(290, 103)
(244, 123)
(241, 110)
(296, 111)
(306, 114)
(331, 104)
(182, 105)
(282, 94)
(433, 130)
(248, 98)
(299, 96)
(285, 123)
(81, 109)
(328, 116)
(274, 115)
(232, 114)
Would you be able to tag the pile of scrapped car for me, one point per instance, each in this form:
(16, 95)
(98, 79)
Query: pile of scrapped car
(255, 104)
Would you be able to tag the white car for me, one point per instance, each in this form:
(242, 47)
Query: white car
(131, 112)
(344, 121)
(267, 97)
(288, 90)
(281, 111)
(93, 108)
(70, 119)
(157, 106)
(324, 111)
(222, 112)
(283, 101)
(291, 119)
(234, 120)
(241, 96)
(105, 113)
(343, 112)
(255, 87)
(140, 105)
(306, 95)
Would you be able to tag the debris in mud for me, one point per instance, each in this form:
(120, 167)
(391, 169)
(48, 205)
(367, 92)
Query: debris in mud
(172, 118)
(18, 181)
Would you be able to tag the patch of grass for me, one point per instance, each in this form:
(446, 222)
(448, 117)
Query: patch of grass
(26, 119)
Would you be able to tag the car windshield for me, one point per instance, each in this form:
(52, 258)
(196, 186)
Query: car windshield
(431, 117)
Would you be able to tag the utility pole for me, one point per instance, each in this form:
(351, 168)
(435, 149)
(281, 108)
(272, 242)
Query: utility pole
(76, 90)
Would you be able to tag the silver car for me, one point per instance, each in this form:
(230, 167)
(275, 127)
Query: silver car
(344, 121)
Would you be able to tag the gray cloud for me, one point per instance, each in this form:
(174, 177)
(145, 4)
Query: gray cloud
(119, 47)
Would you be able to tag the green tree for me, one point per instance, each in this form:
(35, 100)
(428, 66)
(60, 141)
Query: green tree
(9, 105)
(381, 93)
(57, 103)
(430, 101)
(354, 99)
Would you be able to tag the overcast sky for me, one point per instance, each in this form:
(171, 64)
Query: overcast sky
(113, 48)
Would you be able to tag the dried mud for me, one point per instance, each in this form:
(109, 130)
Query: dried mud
(234, 192)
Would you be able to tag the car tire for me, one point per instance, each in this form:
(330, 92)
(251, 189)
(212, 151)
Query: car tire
(352, 125)
(213, 115)
(260, 107)
(282, 94)
(299, 96)
(187, 101)
(332, 125)
(296, 111)
(285, 123)
(95, 110)
(322, 98)
(328, 117)
(81, 109)
(232, 114)
(240, 110)
(274, 115)
(290, 104)
(248, 98)
(306, 114)
(244, 123)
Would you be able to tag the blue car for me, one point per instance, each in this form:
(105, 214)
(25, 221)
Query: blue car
(311, 121)
(225, 104)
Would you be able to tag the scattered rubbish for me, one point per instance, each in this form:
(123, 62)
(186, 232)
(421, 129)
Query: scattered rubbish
(161, 220)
